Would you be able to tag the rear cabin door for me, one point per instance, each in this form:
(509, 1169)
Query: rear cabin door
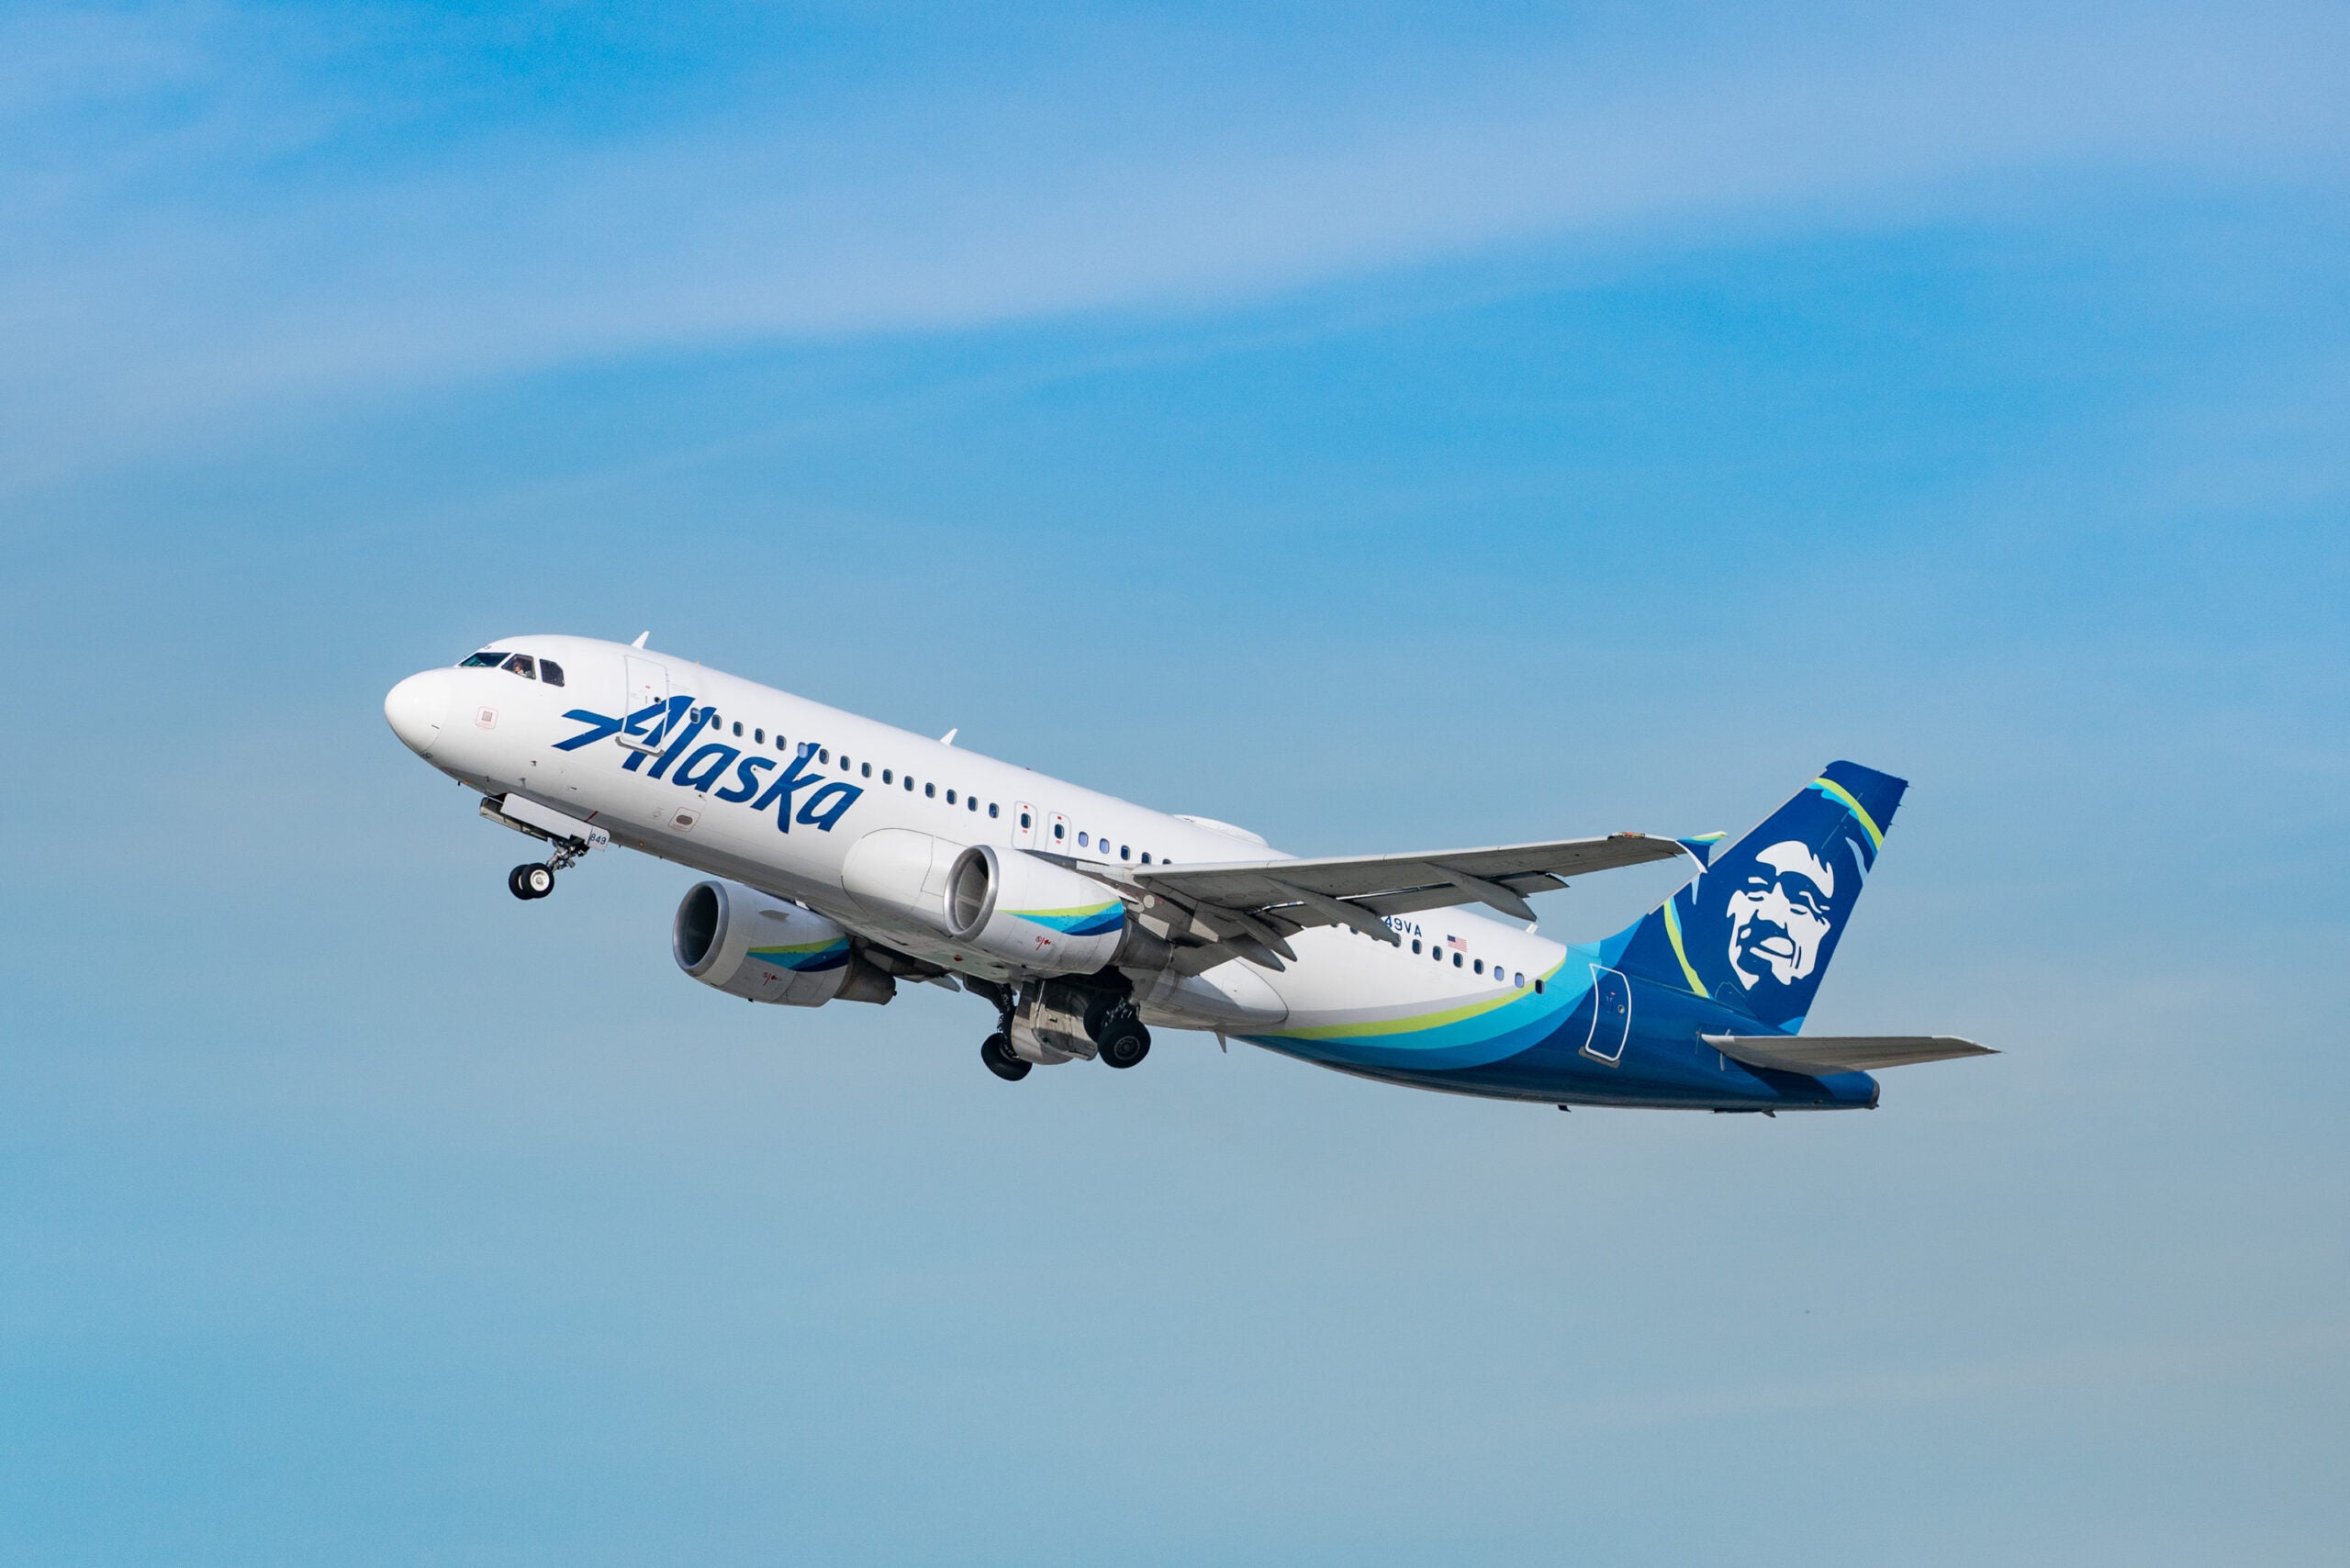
(1611, 1016)
(648, 688)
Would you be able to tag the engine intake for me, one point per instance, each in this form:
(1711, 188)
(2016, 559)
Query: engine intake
(746, 944)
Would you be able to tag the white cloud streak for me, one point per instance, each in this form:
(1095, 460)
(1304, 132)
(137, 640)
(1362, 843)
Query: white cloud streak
(207, 222)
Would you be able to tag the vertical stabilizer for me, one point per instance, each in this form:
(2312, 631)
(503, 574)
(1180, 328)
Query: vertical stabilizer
(1755, 929)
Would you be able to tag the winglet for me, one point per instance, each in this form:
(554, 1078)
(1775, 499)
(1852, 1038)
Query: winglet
(1702, 848)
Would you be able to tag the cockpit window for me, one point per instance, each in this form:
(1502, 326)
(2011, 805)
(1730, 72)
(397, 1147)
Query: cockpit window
(485, 660)
(550, 672)
(524, 665)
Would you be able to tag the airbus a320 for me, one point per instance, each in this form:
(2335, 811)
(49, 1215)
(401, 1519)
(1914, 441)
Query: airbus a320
(842, 858)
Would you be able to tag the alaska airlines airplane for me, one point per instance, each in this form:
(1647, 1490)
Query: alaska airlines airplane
(844, 856)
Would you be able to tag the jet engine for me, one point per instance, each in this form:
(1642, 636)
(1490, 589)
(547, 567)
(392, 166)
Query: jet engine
(748, 944)
(1042, 917)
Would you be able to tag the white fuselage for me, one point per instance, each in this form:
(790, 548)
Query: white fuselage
(499, 732)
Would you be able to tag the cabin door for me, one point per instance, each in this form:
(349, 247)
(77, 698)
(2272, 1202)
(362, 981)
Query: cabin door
(1611, 1016)
(647, 695)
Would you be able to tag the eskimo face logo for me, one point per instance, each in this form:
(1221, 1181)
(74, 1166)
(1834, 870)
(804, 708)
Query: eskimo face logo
(706, 766)
(1781, 914)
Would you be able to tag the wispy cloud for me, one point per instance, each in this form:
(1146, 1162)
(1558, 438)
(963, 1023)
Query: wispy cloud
(213, 210)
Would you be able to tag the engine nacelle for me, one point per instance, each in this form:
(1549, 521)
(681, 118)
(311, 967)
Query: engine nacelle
(748, 944)
(1022, 911)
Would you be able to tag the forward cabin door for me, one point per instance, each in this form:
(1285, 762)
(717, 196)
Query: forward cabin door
(648, 684)
(1023, 826)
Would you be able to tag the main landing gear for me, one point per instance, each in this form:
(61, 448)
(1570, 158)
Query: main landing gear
(996, 1051)
(535, 881)
(1057, 1022)
(1126, 1042)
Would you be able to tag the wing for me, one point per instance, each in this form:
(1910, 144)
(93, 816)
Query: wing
(1845, 1053)
(1252, 906)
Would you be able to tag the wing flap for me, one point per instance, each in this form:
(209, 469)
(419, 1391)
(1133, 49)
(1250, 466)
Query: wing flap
(1842, 1053)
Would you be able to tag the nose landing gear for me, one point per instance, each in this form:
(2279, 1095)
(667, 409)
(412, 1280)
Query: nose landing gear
(531, 881)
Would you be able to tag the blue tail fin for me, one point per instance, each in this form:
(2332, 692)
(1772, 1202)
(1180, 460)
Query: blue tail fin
(1756, 929)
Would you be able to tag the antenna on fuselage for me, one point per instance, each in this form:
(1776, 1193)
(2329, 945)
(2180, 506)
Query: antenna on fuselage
(948, 738)
(640, 639)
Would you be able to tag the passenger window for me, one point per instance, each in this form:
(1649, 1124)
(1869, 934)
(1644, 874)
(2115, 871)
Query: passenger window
(550, 672)
(910, 783)
(1456, 960)
(822, 754)
(1060, 830)
(950, 796)
(970, 802)
(1520, 982)
(1416, 944)
(1537, 986)
(865, 771)
(1024, 822)
(484, 661)
(1125, 852)
(886, 777)
(845, 763)
(713, 714)
(930, 791)
(759, 737)
(738, 726)
(1081, 839)
(523, 666)
(991, 808)
(1479, 966)
(1145, 857)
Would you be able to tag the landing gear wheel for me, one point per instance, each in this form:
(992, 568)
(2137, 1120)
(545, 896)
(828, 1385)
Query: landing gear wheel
(1126, 1043)
(996, 1051)
(529, 881)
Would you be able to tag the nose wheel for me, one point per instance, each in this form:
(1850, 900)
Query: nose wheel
(527, 881)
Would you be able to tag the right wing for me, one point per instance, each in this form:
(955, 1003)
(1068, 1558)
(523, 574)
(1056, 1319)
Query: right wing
(1251, 907)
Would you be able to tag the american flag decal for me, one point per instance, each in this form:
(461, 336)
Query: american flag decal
(1456, 944)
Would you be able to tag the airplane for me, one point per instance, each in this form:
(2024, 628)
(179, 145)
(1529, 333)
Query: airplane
(841, 857)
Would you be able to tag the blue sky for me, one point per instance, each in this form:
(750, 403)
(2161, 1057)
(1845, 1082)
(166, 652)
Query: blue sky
(1374, 426)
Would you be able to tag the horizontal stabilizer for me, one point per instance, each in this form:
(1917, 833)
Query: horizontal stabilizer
(1840, 1053)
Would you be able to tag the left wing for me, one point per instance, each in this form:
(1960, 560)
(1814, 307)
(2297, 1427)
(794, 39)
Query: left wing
(1256, 905)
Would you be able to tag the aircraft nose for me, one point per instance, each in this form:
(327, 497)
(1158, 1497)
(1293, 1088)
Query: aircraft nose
(416, 707)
